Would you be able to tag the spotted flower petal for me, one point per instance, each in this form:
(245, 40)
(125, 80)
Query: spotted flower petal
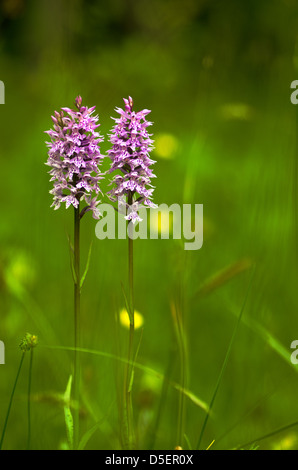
(131, 145)
(74, 157)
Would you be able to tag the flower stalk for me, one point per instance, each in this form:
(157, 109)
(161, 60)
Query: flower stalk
(27, 344)
(29, 400)
(129, 371)
(132, 189)
(77, 308)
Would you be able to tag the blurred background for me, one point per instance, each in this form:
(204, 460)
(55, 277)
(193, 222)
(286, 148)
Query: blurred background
(217, 77)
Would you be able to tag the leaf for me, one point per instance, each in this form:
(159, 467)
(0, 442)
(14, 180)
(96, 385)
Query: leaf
(197, 401)
(186, 438)
(88, 434)
(71, 247)
(69, 426)
(226, 359)
(87, 267)
(67, 392)
(210, 445)
(134, 361)
(71, 253)
(268, 339)
(253, 445)
(67, 413)
(225, 275)
(128, 308)
(132, 375)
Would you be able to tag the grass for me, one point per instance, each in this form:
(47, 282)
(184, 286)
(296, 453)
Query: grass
(225, 136)
(170, 394)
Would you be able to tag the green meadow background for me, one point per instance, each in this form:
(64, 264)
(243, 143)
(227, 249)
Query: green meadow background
(216, 75)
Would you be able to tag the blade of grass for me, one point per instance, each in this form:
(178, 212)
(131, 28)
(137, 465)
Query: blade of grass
(87, 436)
(162, 401)
(186, 438)
(267, 436)
(224, 275)
(210, 445)
(71, 258)
(127, 306)
(135, 359)
(224, 365)
(189, 394)
(268, 338)
(87, 267)
(180, 334)
(244, 416)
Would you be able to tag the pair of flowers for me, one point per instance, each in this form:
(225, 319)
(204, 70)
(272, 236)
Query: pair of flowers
(75, 159)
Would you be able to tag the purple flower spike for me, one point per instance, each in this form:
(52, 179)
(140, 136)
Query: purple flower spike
(74, 157)
(130, 155)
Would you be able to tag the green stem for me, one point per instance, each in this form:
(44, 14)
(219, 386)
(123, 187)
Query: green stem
(11, 399)
(77, 295)
(183, 366)
(129, 367)
(29, 400)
